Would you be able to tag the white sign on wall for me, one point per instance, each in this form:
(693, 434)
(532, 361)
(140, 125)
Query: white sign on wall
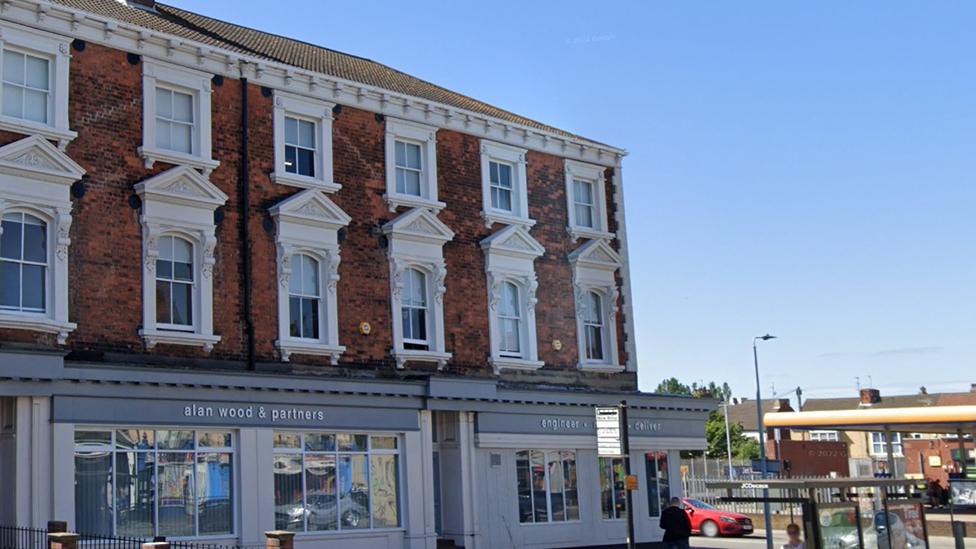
(608, 441)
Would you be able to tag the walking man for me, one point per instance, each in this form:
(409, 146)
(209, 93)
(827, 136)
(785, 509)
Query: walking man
(676, 526)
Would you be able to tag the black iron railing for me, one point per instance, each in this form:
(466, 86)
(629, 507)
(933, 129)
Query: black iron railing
(13, 537)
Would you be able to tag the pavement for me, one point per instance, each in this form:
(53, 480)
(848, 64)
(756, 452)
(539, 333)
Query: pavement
(758, 541)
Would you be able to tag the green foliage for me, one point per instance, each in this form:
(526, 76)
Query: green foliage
(743, 447)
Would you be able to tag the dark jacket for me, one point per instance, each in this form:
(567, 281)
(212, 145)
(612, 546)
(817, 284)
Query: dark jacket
(675, 523)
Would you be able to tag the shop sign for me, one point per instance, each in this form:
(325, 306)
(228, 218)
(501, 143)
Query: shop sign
(608, 437)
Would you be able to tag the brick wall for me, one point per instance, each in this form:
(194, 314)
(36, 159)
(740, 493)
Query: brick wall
(106, 281)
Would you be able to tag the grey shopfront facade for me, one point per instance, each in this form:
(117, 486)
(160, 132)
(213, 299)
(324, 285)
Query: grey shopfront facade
(345, 463)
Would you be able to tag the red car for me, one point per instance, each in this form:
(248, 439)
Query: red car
(710, 521)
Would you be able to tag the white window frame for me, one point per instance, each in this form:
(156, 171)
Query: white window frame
(595, 265)
(878, 440)
(595, 175)
(56, 49)
(824, 436)
(309, 223)
(36, 178)
(198, 85)
(415, 240)
(510, 257)
(288, 105)
(550, 519)
(516, 159)
(426, 137)
(180, 202)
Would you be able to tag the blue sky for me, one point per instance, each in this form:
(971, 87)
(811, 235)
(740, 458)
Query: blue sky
(805, 169)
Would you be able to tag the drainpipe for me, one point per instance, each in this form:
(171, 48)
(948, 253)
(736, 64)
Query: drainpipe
(245, 224)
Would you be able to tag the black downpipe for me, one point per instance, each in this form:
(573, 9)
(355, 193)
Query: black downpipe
(245, 224)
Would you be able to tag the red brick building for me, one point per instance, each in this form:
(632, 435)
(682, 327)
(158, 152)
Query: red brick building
(248, 283)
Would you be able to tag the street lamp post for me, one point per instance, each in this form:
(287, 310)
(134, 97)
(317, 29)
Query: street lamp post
(763, 465)
(728, 439)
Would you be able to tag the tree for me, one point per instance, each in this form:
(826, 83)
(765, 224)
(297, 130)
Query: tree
(743, 447)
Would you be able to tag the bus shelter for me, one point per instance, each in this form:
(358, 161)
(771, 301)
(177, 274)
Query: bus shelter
(843, 513)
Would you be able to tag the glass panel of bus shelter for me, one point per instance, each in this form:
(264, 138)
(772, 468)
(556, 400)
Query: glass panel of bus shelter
(838, 525)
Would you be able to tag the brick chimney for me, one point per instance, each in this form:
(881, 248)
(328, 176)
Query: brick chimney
(870, 397)
(782, 405)
(972, 387)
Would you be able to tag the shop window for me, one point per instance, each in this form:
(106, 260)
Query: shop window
(547, 490)
(336, 481)
(145, 482)
(613, 497)
(658, 482)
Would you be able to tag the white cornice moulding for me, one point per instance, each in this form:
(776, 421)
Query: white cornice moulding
(119, 35)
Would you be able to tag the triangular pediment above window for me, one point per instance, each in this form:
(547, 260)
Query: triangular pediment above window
(181, 185)
(311, 207)
(597, 254)
(419, 223)
(513, 240)
(37, 158)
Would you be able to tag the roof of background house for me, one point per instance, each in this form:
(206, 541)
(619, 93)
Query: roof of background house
(745, 413)
(248, 41)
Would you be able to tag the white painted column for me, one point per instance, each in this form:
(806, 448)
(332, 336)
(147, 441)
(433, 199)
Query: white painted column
(469, 483)
(63, 478)
(254, 465)
(34, 469)
(417, 503)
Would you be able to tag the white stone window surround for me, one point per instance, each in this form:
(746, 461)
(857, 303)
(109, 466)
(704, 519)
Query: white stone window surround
(515, 157)
(426, 137)
(56, 49)
(308, 223)
(416, 239)
(180, 202)
(320, 113)
(196, 83)
(596, 175)
(36, 178)
(594, 265)
(510, 254)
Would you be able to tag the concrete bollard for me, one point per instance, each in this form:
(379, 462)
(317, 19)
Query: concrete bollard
(280, 539)
(56, 526)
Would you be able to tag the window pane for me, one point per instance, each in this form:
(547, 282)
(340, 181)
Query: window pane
(287, 440)
(9, 285)
(310, 276)
(556, 486)
(584, 216)
(93, 438)
(523, 471)
(401, 181)
(10, 240)
(215, 499)
(383, 443)
(289, 512)
(594, 343)
(384, 480)
(163, 139)
(34, 285)
(413, 156)
(13, 67)
(653, 496)
(291, 130)
(213, 439)
(412, 183)
(663, 479)
(493, 172)
(174, 440)
(182, 250)
(37, 72)
(306, 134)
(539, 486)
(510, 335)
(291, 159)
(181, 138)
(163, 295)
(351, 443)
(134, 494)
(182, 304)
(93, 493)
(306, 162)
(310, 318)
(134, 439)
(505, 176)
(407, 323)
(35, 239)
(13, 101)
(164, 103)
(175, 493)
(510, 299)
(353, 492)
(320, 482)
(401, 153)
(320, 442)
(183, 107)
(35, 106)
(569, 479)
(295, 317)
(503, 200)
